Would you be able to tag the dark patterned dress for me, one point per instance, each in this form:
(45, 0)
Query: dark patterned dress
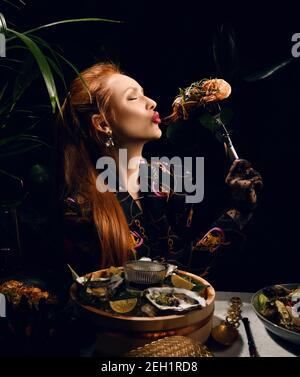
(164, 228)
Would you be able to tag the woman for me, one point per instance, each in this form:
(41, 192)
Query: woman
(105, 112)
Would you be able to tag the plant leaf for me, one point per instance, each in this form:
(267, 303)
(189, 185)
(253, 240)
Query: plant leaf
(3, 90)
(77, 72)
(33, 138)
(19, 151)
(209, 122)
(12, 60)
(14, 47)
(21, 137)
(39, 175)
(8, 67)
(12, 176)
(43, 65)
(55, 64)
(24, 79)
(58, 71)
(12, 4)
(72, 20)
(267, 72)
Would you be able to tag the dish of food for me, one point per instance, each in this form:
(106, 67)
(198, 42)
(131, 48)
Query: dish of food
(197, 94)
(15, 290)
(178, 299)
(109, 291)
(126, 321)
(101, 284)
(278, 306)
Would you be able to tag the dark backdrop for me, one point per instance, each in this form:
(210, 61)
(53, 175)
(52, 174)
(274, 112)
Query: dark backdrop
(168, 44)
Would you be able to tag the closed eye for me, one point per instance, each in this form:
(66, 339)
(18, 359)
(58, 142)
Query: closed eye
(131, 99)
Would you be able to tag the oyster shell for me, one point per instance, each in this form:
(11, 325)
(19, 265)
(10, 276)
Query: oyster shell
(177, 299)
(101, 287)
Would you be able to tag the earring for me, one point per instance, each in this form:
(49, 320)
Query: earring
(109, 143)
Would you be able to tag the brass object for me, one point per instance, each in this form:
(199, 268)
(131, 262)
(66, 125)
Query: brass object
(172, 346)
(226, 332)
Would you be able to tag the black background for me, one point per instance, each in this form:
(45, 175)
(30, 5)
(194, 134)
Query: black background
(165, 45)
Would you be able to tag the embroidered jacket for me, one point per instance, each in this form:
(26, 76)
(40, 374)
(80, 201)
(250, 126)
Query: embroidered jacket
(164, 228)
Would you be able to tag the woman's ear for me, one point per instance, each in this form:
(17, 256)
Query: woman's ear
(99, 123)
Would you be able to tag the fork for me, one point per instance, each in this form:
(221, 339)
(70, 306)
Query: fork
(215, 111)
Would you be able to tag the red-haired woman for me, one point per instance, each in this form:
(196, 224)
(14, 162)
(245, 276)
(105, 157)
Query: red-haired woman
(107, 111)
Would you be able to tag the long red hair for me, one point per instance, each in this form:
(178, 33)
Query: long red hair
(82, 146)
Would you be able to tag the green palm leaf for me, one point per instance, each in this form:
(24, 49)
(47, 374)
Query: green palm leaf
(17, 151)
(77, 72)
(12, 176)
(26, 76)
(58, 56)
(20, 137)
(3, 90)
(43, 65)
(54, 63)
(73, 20)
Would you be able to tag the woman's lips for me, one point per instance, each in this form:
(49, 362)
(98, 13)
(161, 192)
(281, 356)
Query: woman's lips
(156, 118)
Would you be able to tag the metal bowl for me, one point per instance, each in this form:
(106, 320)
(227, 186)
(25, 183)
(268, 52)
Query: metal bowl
(280, 331)
(144, 272)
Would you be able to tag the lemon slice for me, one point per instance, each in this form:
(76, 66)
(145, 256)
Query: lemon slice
(114, 270)
(123, 306)
(180, 282)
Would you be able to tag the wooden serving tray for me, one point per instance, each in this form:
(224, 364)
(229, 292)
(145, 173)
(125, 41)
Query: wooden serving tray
(109, 321)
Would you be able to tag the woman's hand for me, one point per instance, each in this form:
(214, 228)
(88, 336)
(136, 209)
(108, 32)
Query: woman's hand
(244, 185)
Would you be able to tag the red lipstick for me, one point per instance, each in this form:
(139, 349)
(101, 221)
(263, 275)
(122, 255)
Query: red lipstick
(156, 118)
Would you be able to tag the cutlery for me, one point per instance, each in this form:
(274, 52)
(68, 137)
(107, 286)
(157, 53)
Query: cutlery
(251, 345)
(221, 132)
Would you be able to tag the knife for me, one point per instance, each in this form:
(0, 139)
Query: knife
(251, 345)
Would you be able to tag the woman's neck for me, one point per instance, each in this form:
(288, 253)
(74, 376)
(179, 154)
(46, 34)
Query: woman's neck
(129, 158)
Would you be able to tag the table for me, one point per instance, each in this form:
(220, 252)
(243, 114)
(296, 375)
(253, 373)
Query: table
(267, 344)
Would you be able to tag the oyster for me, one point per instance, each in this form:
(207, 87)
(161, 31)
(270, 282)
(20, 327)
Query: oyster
(102, 288)
(177, 299)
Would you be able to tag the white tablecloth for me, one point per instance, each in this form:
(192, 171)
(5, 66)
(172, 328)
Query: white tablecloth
(267, 344)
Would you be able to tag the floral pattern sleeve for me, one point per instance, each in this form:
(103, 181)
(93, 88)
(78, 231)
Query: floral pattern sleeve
(204, 238)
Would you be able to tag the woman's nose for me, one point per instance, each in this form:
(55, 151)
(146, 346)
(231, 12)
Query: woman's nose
(151, 104)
